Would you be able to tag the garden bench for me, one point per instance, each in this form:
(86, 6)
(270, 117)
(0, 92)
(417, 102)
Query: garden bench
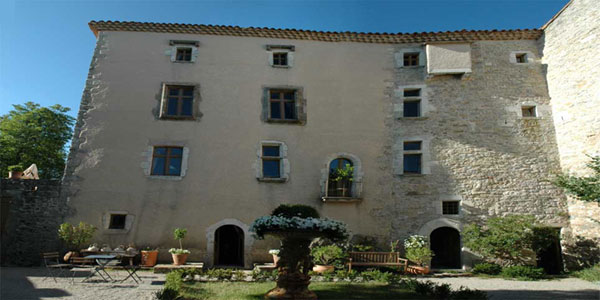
(377, 259)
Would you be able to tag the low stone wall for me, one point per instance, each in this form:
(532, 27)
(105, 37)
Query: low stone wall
(31, 214)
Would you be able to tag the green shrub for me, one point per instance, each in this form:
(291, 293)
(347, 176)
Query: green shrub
(76, 236)
(15, 168)
(441, 291)
(328, 255)
(295, 210)
(523, 272)
(589, 274)
(343, 274)
(464, 293)
(174, 280)
(487, 268)
(167, 294)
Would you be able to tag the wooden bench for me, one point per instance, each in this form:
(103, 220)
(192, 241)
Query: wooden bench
(377, 259)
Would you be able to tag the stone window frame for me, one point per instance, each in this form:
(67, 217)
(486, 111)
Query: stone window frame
(426, 161)
(284, 163)
(196, 114)
(299, 99)
(512, 58)
(399, 57)
(178, 44)
(540, 110)
(399, 105)
(147, 155)
(357, 178)
(445, 198)
(288, 49)
(106, 218)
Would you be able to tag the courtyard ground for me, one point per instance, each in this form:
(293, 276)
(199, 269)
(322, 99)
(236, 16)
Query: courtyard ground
(29, 283)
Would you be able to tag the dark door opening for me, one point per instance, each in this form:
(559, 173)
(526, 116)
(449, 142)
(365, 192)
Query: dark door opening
(550, 257)
(229, 246)
(445, 244)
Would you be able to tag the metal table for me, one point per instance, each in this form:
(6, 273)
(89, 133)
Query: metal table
(102, 260)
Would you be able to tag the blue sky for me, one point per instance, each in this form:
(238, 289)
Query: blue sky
(46, 46)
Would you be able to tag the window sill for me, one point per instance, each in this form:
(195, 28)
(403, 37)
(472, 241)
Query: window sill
(530, 118)
(116, 231)
(412, 118)
(182, 62)
(341, 199)
(272, 180)
(280, 67)
(412, 175)
(164, 177)
(411, 67)
(284, 121)
(169, 118)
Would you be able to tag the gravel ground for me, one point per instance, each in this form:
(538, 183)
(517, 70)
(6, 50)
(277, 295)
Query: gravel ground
(30, 283)
(567, 288)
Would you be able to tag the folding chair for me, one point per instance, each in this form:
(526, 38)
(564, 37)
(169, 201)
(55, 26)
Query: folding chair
(131, 269)
(84, 264)
(53, 265)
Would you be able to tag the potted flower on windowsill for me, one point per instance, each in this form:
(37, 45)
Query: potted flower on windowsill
(15, 171)
(324, 257)
(417, 251)
(275, 253)
(342, 179)
(179, 255)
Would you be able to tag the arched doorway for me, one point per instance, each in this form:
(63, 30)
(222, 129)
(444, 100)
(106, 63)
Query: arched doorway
(229, 246)
(445, 244)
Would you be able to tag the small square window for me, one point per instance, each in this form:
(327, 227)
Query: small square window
(166, 161)
(412, 92)
(521, 58)
(271, 161)
(117, 221)
(178, 102)
(411, 59)
(280, 59)
(412, 108)
(282, 105)
(529, 111)
(183, 54)
(411, 146)
(450, 207)
(412, 163)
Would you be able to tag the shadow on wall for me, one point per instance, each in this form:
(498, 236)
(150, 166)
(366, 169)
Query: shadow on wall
(580, 253)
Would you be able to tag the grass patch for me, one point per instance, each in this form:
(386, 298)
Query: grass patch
(324, 290)
(589, 274)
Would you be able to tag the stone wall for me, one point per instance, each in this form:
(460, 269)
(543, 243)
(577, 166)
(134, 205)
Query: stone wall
(570, 47)
(31, 214)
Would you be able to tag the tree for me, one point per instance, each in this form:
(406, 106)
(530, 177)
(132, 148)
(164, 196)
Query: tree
(583, 188)
(31, 134)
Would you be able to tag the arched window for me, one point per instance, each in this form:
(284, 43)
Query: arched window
(341, 175)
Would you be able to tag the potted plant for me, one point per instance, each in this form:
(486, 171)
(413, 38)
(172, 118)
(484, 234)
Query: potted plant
(15, 171)
(275, 253)
(149, 256)
(179, 255)
(75, 236)
(417, 251)
(324, 257)
(343, 180)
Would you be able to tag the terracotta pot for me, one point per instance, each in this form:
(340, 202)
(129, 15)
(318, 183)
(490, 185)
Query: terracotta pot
(15, 174)
(149, 258)
(322, 268)
(275, 259)
(418, 270)
(179, 259)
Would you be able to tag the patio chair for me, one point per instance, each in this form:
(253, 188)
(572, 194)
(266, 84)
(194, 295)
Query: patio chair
(53, 265)
(127, 264)
(83, 264)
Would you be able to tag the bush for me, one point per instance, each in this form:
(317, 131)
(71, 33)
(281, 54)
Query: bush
(167, 294)
(589, 274)
(328, 255)
(76, 236)
(487, 268)
(15, 168)
(295, 210)
(523, 272)
(464, 293)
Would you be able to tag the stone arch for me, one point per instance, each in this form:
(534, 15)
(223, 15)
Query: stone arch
(210, 241)
(357, 176)
(432, 225)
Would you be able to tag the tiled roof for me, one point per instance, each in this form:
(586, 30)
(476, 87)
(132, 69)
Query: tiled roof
(358, 37)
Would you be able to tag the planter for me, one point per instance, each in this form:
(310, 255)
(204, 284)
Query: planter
(275, 259)
(323, 268)
(149, 258)
(418, 270)
(15, 175)
(179, 259)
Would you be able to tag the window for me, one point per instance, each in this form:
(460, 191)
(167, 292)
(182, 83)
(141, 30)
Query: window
(411, 59)
(450, 207)
(529, 111)
(280, 59)
(178, 102)
(117, 221)
(521, 58)
(271, 161)
(341, 174)
(183, 54)
(412, 103)
(166, 161)
(412, 157)
(282, 105)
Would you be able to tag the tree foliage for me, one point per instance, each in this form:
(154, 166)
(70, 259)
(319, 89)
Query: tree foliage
(76, 236)
(583, 188)
(31, 134)
(506, 238)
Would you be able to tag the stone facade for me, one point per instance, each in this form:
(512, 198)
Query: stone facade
(570, 47)
(32, 211)
(476, 147)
